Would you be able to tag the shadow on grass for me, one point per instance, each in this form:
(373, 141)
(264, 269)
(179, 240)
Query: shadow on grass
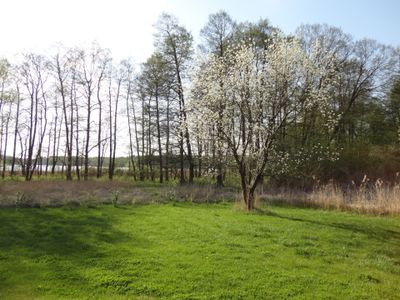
(60, 242)
(62, 232)
(377, 233)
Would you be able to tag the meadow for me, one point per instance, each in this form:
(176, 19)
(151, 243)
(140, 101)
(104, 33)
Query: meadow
(183, 250)
(230, 160)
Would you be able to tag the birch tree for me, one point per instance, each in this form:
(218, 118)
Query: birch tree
(33, 74)
(175, 43)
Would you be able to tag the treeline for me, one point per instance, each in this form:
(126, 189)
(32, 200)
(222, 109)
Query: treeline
(76, 104)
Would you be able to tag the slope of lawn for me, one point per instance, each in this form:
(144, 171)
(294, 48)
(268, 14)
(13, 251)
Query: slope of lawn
(197, 251)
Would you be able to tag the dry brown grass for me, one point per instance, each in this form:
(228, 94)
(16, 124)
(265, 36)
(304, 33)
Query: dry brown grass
(57, 193)
(372, 198)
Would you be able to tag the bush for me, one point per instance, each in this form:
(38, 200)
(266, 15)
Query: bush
(115, 195)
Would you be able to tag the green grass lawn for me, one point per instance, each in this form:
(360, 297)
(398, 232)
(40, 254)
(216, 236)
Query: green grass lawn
(189, 251)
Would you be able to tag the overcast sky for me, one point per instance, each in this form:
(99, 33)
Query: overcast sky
(126, 26)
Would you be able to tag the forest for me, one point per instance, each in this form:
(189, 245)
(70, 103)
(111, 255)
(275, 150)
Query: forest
(248, 101)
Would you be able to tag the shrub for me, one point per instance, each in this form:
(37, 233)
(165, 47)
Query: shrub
(21, 200)
(115, 195)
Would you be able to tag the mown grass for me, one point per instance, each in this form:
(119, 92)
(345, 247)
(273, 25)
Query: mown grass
(197, 251)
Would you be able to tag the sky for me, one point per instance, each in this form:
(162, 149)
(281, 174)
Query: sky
(126, 26)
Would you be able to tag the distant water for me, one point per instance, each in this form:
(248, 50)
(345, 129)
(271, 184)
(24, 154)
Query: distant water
(57, 168)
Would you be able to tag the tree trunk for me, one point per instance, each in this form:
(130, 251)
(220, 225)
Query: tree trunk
(149, 145)
(99, 169)
(181, 152)
(140, 164)
(48, 154)
(78, 173)
(114, 144)
(54, 162)
(5, 144)
(199, 159)
(167, 142)
(131, 156)
(99, 163)
(143, 139)
(57, 149)
(248, 191)
(15, 133)
(159, 139)
(184, 119)
(88, 120)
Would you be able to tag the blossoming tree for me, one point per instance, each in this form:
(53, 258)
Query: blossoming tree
(251, 97)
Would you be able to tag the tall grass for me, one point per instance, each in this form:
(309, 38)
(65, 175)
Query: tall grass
(368, 197)
(375, 197)
(43, 193)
